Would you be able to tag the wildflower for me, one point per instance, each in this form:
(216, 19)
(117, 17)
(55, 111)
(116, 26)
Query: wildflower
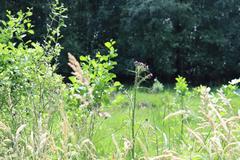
(141, 66)
(234, 81)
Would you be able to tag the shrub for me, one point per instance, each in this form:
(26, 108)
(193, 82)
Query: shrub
(92, 85)
(157, 86)
(93, 77)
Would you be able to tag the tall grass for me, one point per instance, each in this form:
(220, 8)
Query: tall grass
(213, 132)
(43, 118)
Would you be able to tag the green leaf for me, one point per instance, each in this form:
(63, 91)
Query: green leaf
(98, 55)
(31, 31)
(29, 25)
(117, 84)
(4, 23)
(83, 58)
(73, 79)
(108, 45)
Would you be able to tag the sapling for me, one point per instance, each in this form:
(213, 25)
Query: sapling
(182, 91)
(93, 82)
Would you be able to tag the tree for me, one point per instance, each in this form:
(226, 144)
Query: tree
(195, 39)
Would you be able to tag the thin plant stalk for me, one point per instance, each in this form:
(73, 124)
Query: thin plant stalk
(92, 125)
(182, 117)
(134, 112)
(140, 68)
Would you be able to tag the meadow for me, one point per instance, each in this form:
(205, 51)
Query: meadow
(158, 125)
(96, 117)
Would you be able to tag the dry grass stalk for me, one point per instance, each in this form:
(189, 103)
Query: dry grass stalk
(175, 114)
(19, 130)
(221, 139)
(167, 155)
(88, 147)
(118, 154)
(4, 127)
(196, 135)
(77, 70)
(143, 147)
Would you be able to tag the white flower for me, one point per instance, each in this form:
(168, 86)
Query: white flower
(234, 81)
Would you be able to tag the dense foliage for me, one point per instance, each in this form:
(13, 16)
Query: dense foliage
(41, 117)
(35, 101)
(196, 39)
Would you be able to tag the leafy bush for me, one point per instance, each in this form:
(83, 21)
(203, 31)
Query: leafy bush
(92, 86)
(22, 65)
(93, 76)
(231, 88)
(157, 86)
(31, 92)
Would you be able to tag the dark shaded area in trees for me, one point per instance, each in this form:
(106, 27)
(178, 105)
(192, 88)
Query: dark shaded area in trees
(198, 39)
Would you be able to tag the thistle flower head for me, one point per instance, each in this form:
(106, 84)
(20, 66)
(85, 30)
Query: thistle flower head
(141, 67)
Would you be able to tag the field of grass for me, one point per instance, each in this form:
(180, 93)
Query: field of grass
(158, 127)
(93, 117)
(155, 133)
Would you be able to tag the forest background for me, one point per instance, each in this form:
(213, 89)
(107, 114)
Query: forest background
(197, 39)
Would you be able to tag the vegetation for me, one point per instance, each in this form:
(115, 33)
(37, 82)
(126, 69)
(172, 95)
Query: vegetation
(96, 117)
(195, 39)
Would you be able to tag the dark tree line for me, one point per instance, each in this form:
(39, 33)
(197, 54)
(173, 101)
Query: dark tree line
(198, 39)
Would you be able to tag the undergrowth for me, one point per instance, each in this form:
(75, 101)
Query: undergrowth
(94, 117)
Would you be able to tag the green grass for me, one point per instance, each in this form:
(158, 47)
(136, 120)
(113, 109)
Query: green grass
(155, 133)
(150, 126)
